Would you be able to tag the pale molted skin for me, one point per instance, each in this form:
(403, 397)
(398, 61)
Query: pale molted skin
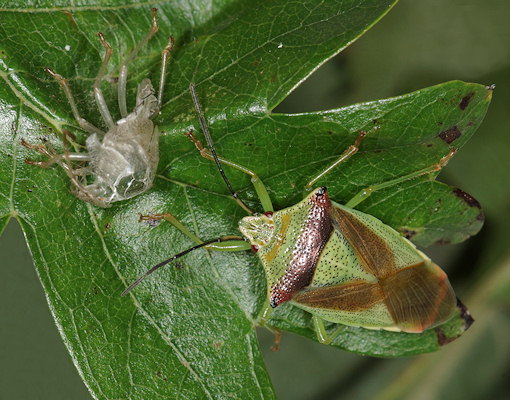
(359, 272)
(124, 162)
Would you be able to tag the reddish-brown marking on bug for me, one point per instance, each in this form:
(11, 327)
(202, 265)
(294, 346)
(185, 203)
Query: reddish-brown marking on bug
(315, 233)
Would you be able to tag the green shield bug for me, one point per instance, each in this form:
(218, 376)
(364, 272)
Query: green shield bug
(123, 160)
(337, 263)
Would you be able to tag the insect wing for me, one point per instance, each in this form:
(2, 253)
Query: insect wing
(408, 292)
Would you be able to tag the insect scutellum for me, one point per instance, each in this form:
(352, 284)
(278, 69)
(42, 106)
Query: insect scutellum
(122, 160)
(339, 264)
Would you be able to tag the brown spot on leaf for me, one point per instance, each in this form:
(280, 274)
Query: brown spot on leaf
(160, 375)
(465, 314)
(450, 135)
(442, 242)
(442, 339)
(465, 101)
(470, 200)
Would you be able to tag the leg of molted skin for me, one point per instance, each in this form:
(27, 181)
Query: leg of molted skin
(124, 67)
(165, 55)
(85, 171)
(53, 157)
(231, 245)
(98, 93)
(259, 186)
(348, 153)
(88, 193)
(367, 192)
(66, 159)
(84, 124)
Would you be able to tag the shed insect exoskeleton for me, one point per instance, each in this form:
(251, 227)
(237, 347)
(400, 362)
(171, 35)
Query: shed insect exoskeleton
(339, 264)
(122, 161)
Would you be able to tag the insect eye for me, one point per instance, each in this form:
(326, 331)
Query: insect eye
(268, 213)
(321, 191)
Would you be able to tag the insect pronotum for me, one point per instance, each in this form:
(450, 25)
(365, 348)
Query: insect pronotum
(337, 263)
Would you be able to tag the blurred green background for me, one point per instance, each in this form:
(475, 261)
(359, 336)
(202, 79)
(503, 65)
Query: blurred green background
(418, 44)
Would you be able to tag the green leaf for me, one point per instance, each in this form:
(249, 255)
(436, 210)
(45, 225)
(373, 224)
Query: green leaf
(189, 332)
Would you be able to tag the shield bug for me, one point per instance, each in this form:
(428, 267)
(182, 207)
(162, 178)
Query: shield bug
(337, 263)
(122, 161)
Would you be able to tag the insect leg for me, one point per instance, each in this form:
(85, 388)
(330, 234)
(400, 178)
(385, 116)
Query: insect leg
(259, 186)
(266, 312)
(124, 67)
(174, 221)
(165, 54)
(53, 157)
(277, 339)
(98, 94)
(84, 124)
(367, 192)
(348, 153)
(235, 243)
(320, 330)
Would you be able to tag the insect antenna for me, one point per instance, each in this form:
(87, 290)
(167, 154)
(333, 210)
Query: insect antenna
(208, 138)
(175, 257)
